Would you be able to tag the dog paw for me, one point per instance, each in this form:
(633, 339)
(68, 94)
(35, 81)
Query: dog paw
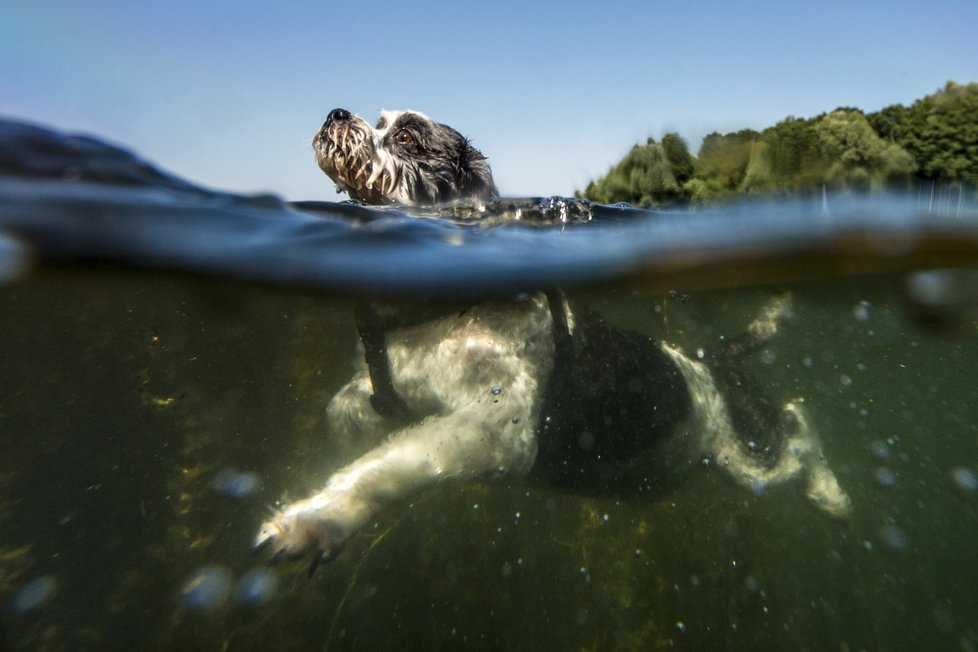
(826, 494)
(296, 535)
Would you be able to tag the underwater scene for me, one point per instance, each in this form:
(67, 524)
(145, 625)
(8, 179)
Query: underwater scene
(171, 356)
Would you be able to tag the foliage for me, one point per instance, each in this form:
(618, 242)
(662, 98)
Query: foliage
(647, 176)
(857, 155)
(722, 163)
(940, 131)
(935, 139)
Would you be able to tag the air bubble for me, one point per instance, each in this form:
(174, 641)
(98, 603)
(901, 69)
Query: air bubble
(758, 487)
(894, 538)
(34, 594)
(886, 477)
(965, 478)
(206, 588)
(234, 484)
(861, 311)
(14, 260)
(256, 587)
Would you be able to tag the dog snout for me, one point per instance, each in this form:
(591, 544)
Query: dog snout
(338, 115)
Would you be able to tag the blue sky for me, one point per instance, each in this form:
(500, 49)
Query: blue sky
(229, 93)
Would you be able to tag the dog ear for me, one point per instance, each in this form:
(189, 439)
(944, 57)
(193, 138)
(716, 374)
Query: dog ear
(475, 176)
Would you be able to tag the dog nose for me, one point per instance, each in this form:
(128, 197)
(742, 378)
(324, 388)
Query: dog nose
(338, 115)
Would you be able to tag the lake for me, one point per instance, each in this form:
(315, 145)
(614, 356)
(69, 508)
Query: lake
(169, 351)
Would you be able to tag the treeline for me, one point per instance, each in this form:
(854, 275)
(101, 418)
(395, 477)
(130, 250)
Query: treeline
(933, 140)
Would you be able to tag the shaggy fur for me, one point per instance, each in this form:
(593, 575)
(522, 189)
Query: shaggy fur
(408, 158)
(477, 386)
(524, 388)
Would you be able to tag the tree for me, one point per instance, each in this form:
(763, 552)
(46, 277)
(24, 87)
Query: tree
(722, 164)
(795, 154)
(644, 178)
(857, 156)
(934, 139)
(886, 122)
(757, 176)
(682, 162)
(940, 131)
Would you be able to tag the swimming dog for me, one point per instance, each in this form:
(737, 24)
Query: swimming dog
(534, 387)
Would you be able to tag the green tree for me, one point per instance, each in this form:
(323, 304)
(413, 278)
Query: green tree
(934, 139)
(887, 122)
(795, 155)
(940, 131)
(857, 156)
(757, 176)
(682, 162)
(644, 178)
(722, 164)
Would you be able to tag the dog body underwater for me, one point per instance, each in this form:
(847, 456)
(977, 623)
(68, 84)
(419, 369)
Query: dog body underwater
(534, 387)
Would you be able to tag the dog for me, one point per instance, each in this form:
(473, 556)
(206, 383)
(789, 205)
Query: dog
(531, 388)
(408, 158)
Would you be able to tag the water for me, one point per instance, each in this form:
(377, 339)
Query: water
(168, 353)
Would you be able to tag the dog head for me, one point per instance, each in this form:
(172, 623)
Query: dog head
(408, 158)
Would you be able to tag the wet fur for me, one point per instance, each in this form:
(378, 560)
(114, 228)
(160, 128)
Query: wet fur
(475, 383)
(408, 158)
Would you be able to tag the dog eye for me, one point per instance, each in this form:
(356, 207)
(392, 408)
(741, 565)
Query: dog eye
(404, 137)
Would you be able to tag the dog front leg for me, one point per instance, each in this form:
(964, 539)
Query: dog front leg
(458, 446)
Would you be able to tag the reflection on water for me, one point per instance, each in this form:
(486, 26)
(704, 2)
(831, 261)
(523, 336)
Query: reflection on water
(150, 419)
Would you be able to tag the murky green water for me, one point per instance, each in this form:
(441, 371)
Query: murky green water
(124, 395)
(167, 354)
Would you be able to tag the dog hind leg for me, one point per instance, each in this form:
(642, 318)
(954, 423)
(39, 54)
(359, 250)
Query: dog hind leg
(760, 331)
(822, 487)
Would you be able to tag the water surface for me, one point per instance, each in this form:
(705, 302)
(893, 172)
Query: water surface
(169, 351)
